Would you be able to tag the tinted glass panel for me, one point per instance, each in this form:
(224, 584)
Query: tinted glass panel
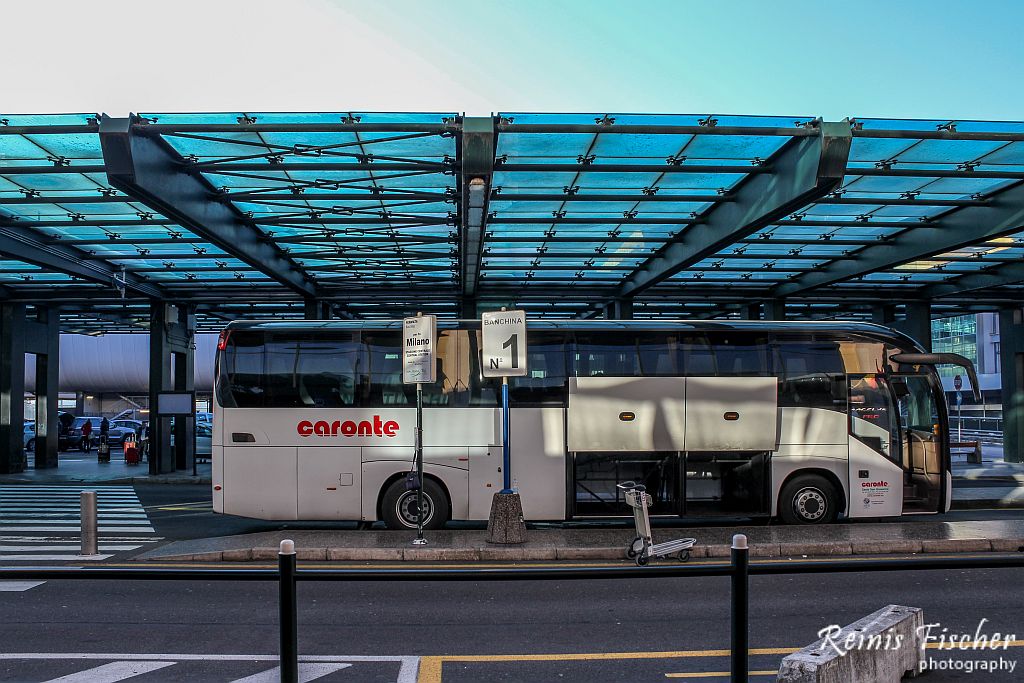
(810, 373)
(740, 354)
(311, 370)
(545, 383)
(240, 380)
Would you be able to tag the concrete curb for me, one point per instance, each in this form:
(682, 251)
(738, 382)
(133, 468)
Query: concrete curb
(549, 553)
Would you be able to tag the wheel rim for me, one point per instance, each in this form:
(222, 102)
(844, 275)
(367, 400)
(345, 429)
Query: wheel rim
(810, 504)
(406, 508)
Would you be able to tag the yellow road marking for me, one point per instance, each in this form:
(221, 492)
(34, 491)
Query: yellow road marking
(431, 666)
(720, 674)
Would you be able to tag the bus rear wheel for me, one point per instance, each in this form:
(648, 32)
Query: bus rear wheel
(399, 506)
(808, 499)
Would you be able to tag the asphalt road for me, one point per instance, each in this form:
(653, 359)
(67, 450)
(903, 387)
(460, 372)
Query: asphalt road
(590, 631)
(181, 512)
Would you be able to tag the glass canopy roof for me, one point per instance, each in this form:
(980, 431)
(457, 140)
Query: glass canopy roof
(372, 215)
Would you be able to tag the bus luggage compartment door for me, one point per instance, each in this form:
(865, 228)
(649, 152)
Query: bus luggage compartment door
(328, 482)
(626, 414)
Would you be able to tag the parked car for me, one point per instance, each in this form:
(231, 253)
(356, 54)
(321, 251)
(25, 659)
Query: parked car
(114, 436)
(133, 426)
(204, 440)
(204, 418)
(30, 436)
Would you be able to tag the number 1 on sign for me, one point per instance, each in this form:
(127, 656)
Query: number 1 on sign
(513, 341)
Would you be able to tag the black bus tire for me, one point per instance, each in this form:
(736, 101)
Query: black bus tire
(808, 499)
(398, 507)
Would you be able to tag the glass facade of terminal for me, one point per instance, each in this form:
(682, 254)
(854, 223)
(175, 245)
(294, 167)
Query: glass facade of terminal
(958, 334)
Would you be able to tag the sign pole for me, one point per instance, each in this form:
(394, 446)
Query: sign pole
(419, 465)
(506, 459)
(419, 366)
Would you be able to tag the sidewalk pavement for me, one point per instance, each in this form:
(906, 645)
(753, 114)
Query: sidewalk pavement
(853, 538)
(77, 467)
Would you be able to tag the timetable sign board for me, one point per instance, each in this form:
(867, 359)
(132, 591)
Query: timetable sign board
(419, 339)
(504, 344)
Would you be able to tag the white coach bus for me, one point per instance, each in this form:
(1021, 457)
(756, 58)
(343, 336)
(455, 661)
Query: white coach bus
(803, 421)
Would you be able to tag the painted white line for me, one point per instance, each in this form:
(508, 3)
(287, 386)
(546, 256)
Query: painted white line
(49, 558)
(128, 656)
(307, 672)
(18, 586)
(62, 539)
(57, 548)
(134, 519)
(69, 529)
(113, 672)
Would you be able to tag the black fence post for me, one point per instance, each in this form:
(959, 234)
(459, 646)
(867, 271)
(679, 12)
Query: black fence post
(740, 605)
(287, 610)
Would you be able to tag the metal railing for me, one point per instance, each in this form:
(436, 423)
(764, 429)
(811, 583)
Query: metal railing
(739, 569)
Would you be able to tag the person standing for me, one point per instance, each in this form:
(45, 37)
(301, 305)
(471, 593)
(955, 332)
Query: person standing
(87, 436)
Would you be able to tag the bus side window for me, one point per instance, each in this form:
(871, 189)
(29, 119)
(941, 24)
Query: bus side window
(740, 354)
(306, 370)
(810, 374)
(545, 380)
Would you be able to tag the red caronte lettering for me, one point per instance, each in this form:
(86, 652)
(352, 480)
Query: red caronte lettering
(376, 426)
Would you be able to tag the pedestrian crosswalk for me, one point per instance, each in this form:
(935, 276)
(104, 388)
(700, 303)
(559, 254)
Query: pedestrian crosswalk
(110, 668)
(43, 523)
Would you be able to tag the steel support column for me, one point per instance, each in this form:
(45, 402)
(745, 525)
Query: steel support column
(619, 309)
(317, 309)
(775, 309)
(750, 311)
(171, 368)
(805, 169)
(43, 340)
(1011, 351)
(150, 171)
(12, 388)
(917, 323)
(883, 314)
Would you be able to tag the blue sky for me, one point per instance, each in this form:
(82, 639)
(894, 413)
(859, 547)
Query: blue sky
(935, 59)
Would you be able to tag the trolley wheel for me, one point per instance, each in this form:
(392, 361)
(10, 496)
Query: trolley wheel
(683, 556)
(635, 548)
(641, 560)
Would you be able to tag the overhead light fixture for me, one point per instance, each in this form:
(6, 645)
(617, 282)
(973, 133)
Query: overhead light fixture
(477, 199)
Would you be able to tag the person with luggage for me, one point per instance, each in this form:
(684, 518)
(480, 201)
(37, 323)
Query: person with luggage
(87, 436)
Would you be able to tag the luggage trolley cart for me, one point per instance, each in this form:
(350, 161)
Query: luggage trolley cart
(642, 548)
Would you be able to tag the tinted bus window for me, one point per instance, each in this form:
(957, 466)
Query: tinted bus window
(240, 379)
(605, 354)
(381, 385)
(546, 379)
(811, 373)
(311, 370)
(739, 354)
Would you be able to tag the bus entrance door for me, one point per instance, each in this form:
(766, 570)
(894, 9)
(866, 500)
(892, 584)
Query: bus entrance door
(920, 442)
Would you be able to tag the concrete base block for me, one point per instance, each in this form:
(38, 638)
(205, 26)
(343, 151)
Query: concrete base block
(428, 554)
(591, 553)
(957, 545)
(883, 646)
(814, 549)
(506, 524)
(240, 555)
(1007, 545)
(885, 547)
(365, 554)
(518, 554)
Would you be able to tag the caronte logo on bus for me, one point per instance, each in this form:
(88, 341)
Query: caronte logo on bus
(376, 427)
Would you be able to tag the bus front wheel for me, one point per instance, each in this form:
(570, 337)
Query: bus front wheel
(399, 506)
(808, 499)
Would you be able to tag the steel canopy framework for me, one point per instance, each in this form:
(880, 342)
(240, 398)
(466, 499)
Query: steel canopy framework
(261, 215)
